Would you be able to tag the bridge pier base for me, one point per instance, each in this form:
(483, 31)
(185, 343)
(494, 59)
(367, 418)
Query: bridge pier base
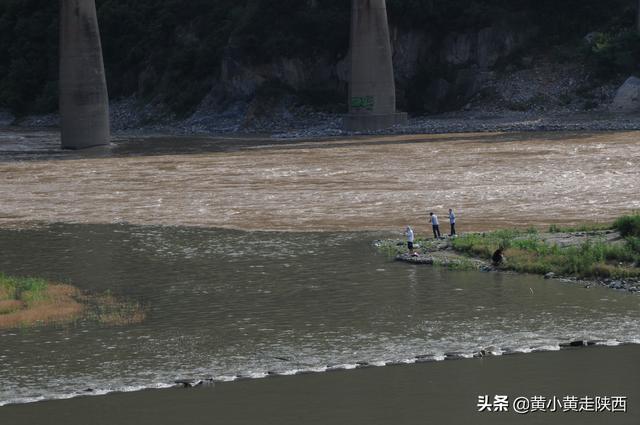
(372, 91)
(84, 102)
(367, 123)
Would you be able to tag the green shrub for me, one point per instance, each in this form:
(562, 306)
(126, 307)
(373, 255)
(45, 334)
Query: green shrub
(628, 225)
(23, 287)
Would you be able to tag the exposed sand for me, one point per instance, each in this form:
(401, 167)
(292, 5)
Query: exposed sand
(373, 183)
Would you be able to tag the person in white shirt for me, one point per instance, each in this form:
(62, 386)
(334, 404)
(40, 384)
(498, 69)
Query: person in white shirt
(410, 238)
(452, 221)
(435, 224)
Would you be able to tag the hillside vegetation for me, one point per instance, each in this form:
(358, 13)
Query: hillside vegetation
(172, 51)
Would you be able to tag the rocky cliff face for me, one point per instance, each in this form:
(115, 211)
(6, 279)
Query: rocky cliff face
(451, 70)
(433, 74)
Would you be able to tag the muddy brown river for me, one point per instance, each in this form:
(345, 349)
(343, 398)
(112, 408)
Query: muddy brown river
(373, 183)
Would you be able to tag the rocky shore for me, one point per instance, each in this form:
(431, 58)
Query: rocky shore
(285, 120)
(303, 124)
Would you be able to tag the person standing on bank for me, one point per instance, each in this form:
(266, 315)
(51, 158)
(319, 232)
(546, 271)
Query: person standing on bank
(410, 238)
(452, 221)
(435, 224)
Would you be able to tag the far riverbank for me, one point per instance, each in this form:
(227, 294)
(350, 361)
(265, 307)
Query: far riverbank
(127, 120)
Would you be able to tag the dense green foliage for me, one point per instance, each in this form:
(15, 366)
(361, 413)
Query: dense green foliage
(166, 48)
(172, 50)
(28, 55)
(560, 19)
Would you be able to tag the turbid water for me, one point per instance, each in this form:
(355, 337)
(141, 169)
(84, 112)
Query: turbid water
(374, 183)
(229, 304)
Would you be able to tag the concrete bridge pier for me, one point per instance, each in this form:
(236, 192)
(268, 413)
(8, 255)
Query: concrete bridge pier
(84, 102)
(372, 91)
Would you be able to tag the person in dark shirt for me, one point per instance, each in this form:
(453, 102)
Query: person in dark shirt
(498, 257)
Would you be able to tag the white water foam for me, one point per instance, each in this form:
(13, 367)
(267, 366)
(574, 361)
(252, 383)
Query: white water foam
(93, 393)
(296, 371)
(542, 348)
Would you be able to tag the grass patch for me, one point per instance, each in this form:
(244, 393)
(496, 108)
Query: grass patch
(391, 248)
(527, 252)
(588, 227)
(591, 259)
(28, 302)
(483, 245)
(459, 264)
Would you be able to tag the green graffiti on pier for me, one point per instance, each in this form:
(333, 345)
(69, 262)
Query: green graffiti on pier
(363, 102)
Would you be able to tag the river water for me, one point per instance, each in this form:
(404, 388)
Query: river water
(228, 304)
(492, 180)
(254, 256)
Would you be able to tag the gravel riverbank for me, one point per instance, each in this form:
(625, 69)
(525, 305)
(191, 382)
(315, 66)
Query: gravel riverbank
(301, 123)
